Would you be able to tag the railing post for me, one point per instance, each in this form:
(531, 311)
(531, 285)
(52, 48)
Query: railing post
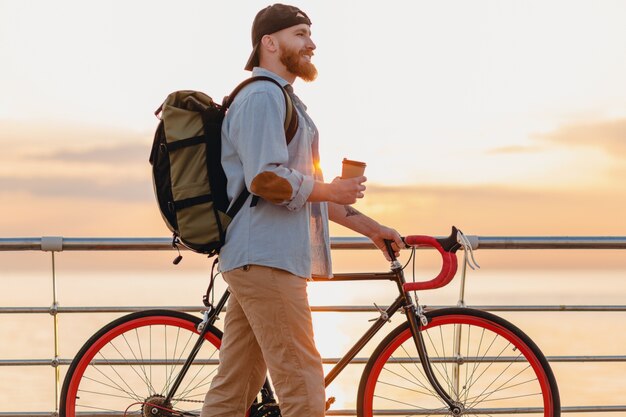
(54, 244)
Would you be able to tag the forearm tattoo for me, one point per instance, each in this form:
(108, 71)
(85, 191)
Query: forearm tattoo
(350, 211)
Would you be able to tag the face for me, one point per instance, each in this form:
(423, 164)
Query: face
(296, 50)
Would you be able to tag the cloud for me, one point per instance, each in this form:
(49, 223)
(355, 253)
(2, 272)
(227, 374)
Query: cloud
(609, 136)
(89, 163)
(50, 133)
(75, 144)
(114, 155)
(81, 188)
(500, 210)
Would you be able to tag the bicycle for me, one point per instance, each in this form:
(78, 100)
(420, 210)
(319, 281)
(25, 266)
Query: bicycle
(450, 361)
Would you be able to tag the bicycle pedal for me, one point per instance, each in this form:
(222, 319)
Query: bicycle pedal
(265, 410)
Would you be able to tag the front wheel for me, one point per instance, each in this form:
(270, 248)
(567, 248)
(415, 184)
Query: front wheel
(486, 364)
(134, 360)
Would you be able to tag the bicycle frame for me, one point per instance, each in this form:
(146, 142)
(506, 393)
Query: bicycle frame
(404, 301)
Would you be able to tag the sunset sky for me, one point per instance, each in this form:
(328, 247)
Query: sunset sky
(503, 117)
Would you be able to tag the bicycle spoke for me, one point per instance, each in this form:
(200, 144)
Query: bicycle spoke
(510, 397)
(475, 379)
(141, 367)
(409, 404)
(98, 408)
(417, 383)
(131, 366)
(178, 359)
(148, 379)
(115, 387)
(103, 394)
(202, 383)
(502, 387)
(443, 365)
(134, 394)
(403, 387)
(419, 368)
(173, 374)
(166, 367)
(489, 366)
(467, 355)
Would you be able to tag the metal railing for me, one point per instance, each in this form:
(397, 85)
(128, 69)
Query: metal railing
(57, 244)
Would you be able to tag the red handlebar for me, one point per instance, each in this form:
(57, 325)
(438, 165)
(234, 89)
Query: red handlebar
(448, 267)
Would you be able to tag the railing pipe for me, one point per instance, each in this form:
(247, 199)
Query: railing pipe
(341, 243)
(319, 309)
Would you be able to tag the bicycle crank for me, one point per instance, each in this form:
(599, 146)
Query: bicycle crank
(265, 410)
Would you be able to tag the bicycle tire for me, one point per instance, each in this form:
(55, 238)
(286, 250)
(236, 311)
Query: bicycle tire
(122, 366)
(498, 369)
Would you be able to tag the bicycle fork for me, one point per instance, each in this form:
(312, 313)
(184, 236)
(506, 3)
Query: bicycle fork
(414, 315)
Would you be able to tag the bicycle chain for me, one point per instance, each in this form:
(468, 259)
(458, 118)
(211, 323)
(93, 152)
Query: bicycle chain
(263, 410)
(187, 401)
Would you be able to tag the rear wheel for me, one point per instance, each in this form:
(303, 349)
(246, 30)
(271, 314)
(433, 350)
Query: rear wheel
(486, 364)
(133, 361)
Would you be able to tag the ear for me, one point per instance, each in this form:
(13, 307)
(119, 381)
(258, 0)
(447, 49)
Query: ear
(270, 43)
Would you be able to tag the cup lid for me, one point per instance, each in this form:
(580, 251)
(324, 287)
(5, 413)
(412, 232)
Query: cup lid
(351, 162)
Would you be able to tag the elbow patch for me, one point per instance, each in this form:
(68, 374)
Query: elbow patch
(271, 187)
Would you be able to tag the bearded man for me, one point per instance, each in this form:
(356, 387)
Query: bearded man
(274, 246)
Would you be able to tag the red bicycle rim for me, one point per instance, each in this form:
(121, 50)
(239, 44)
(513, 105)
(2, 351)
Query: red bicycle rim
(459, 319)
(112, 334)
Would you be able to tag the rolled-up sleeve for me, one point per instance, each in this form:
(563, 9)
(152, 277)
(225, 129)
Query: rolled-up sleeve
(258, 134)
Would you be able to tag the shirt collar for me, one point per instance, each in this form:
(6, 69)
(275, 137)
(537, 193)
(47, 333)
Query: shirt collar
(258, 71)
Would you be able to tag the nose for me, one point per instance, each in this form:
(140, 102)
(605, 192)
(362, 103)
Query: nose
(311, 44)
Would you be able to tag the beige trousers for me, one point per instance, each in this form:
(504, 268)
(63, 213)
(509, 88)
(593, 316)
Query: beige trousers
(267, 326)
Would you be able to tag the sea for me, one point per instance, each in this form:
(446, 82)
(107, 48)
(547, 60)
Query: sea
(113, 280)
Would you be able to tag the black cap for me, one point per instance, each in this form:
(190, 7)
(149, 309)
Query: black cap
(270, 20)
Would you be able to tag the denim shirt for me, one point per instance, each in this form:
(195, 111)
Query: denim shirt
(283, 230)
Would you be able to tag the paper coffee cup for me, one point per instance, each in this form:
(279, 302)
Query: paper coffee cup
(351, 169)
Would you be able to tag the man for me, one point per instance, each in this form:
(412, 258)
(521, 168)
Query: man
(274, 246)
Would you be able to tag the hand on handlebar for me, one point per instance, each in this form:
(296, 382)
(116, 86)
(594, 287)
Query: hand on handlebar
(386, 233)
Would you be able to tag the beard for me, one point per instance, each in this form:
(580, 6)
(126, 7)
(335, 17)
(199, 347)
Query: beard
(292, 60)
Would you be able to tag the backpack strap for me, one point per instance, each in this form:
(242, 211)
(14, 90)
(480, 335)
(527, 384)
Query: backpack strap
(291, 127)
(291, 115)
(239, 201)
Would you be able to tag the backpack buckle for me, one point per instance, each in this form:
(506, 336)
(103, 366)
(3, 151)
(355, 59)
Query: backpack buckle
(175, 243)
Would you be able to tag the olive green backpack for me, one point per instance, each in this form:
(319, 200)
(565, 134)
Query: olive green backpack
(188, 178)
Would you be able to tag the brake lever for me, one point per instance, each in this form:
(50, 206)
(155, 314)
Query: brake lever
(467, 248)
(392, 255)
